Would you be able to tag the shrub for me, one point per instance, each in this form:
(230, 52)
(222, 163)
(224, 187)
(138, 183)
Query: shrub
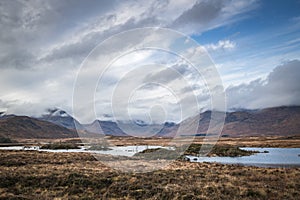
(55, 146)
(158, 153)
(5, 140)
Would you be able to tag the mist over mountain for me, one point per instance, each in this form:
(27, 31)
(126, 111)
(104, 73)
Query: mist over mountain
(275, 121)
(62, 118)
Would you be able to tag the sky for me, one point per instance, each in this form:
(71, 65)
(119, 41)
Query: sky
(52, 53)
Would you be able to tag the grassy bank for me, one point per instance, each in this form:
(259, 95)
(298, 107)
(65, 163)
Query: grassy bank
(99, 148)
(270, 141)
(56, 146)
(194, 150)
(42, 175)
(219, 150)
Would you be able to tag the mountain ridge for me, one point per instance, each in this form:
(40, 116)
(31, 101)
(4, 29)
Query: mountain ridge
(24, 127)
(274, 121)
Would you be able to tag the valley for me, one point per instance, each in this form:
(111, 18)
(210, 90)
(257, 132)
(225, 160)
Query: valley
(50, 158)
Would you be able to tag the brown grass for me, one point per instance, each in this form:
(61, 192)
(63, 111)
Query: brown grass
(270, 141)
(42, 175)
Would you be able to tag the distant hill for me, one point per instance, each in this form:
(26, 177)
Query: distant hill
(105, 128)
(23, 127)
(277, 121)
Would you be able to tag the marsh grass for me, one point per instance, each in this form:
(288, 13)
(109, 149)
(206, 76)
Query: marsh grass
(194, 150)
(157, 153)
(44, 175)
(99, 148)
(5, 140)
(59, 145)
(220, 150)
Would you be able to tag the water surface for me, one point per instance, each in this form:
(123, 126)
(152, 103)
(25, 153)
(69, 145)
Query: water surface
(268, 157)
(117, 151)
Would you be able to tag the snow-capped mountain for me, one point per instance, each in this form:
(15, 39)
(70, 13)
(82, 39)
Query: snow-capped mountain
(140, 122)
(62, 118)
(2, 114)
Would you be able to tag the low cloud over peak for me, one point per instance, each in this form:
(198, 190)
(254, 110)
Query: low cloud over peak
(281, 87)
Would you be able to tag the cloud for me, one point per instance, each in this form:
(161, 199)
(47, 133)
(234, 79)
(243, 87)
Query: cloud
(281, 87)
(33, 32)
(205, 15)
(42, 44)
(31, 27)
(201, 13)
(221, 45)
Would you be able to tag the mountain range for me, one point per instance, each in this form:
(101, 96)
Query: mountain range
(24, 127)
(56, 123)
(275, 121)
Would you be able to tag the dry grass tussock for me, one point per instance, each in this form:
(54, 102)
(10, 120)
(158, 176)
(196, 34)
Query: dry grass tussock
(42, 175)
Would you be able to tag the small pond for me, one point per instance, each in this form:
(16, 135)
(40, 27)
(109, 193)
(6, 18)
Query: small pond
(268, 157)
(117, 151)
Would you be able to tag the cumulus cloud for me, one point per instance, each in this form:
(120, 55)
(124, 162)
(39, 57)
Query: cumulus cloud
(221, 45)
(281, 87)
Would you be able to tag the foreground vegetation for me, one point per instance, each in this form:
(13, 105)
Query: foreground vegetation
(194, 150)
(44, 175)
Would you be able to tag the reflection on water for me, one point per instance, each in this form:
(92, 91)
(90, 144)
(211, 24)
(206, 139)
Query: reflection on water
(117, 151)
(267, 157)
